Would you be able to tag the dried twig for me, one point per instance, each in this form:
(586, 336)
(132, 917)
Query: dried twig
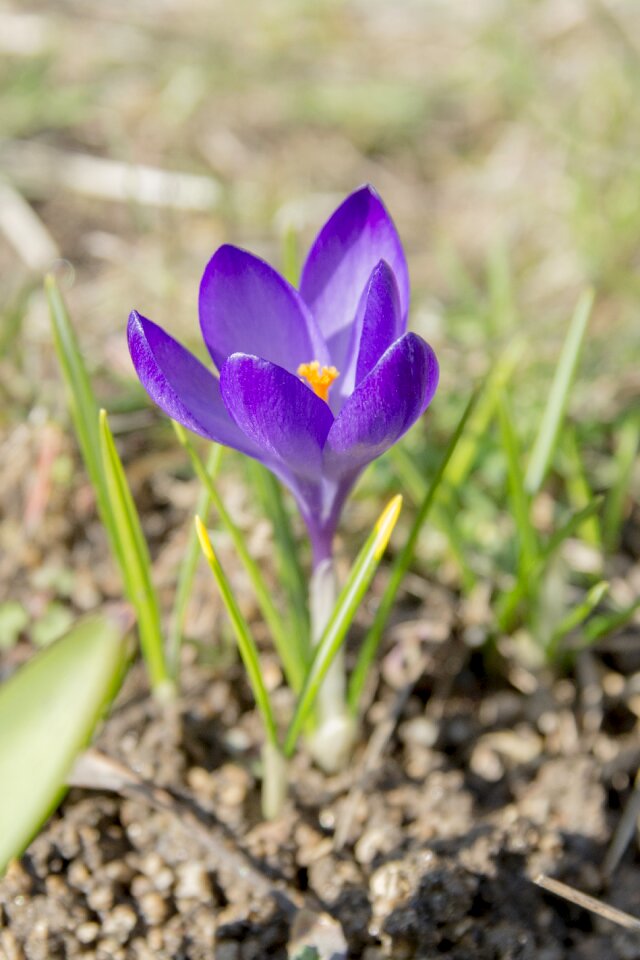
(42, 169)
(587, 903)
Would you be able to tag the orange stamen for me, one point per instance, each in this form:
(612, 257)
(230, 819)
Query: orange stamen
(319, 378)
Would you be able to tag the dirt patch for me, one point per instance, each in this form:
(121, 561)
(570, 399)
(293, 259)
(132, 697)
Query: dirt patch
(430, 853)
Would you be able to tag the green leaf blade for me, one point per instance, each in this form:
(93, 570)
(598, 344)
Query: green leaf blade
(246, 643)
(294, 666)
(48, 711)
(547, 438)
(518, 496)
(334, 635)
(136, 569)
(402, 563)
(291, 574)
(188, 566)
(82, 404)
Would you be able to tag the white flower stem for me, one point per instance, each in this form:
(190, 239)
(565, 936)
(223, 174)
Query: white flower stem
(274, 780)
(331, 742)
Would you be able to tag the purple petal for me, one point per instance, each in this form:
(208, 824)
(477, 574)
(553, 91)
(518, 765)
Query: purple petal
(378, 324)
(352, 242)
(382, 322)
(247, 307)
(181, 385)
(277, 412)
(383, 406)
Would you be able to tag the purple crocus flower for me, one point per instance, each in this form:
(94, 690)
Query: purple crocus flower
(315, 383)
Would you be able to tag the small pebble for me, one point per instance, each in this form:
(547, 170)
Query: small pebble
(192, 882)
(419, 732)
(100, 898)
(141, 885)
(56, 886)
(153, 908)
(201, 782)
(88, 932)
(390, 883)
(163, 880)
(151, 864)
(120, 922)
(142, 950)
(232, 783)
(78, 875)
(155, 939)
(109, 949)
(376, 840)
(119, 871)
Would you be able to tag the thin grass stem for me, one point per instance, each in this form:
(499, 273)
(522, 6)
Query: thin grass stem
(188, 566)
(137, 569)
(400, 567)
(293, 664)
(335, 632)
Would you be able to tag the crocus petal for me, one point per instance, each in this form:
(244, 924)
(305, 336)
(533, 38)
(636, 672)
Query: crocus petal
(382, 321)
(181, 385)
(247, 307)
(352, 242)
(383, 406)
(378, 324)
(277, 412)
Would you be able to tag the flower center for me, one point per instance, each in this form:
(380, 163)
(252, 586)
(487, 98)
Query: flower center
(319, 378)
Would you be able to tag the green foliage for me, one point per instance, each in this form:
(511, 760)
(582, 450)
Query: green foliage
(246, 644)
(188, 565)
(48, 711)
(293, 649)
(371, 643)
(113, 496)
(136, 568)
(342, 615)
(546, 441)
(509, 518)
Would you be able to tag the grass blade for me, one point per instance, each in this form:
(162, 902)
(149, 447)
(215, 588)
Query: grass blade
(290, 571)
(466, 451)
(575, 617)
(520, 503)
(509, 602)
(444, 520)
(113, 497)
(547, 438)
(408, 472)
(601, 626)
(188, 566)
(578, 488)
(289, 648)
(82, 405)
(48, 711)
(335, 632)
(245, 641)
(569, 528)
(625, 458)
(137, 568)
(402, 563)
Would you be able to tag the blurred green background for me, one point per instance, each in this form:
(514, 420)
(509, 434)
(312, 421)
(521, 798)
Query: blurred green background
(503, 135)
